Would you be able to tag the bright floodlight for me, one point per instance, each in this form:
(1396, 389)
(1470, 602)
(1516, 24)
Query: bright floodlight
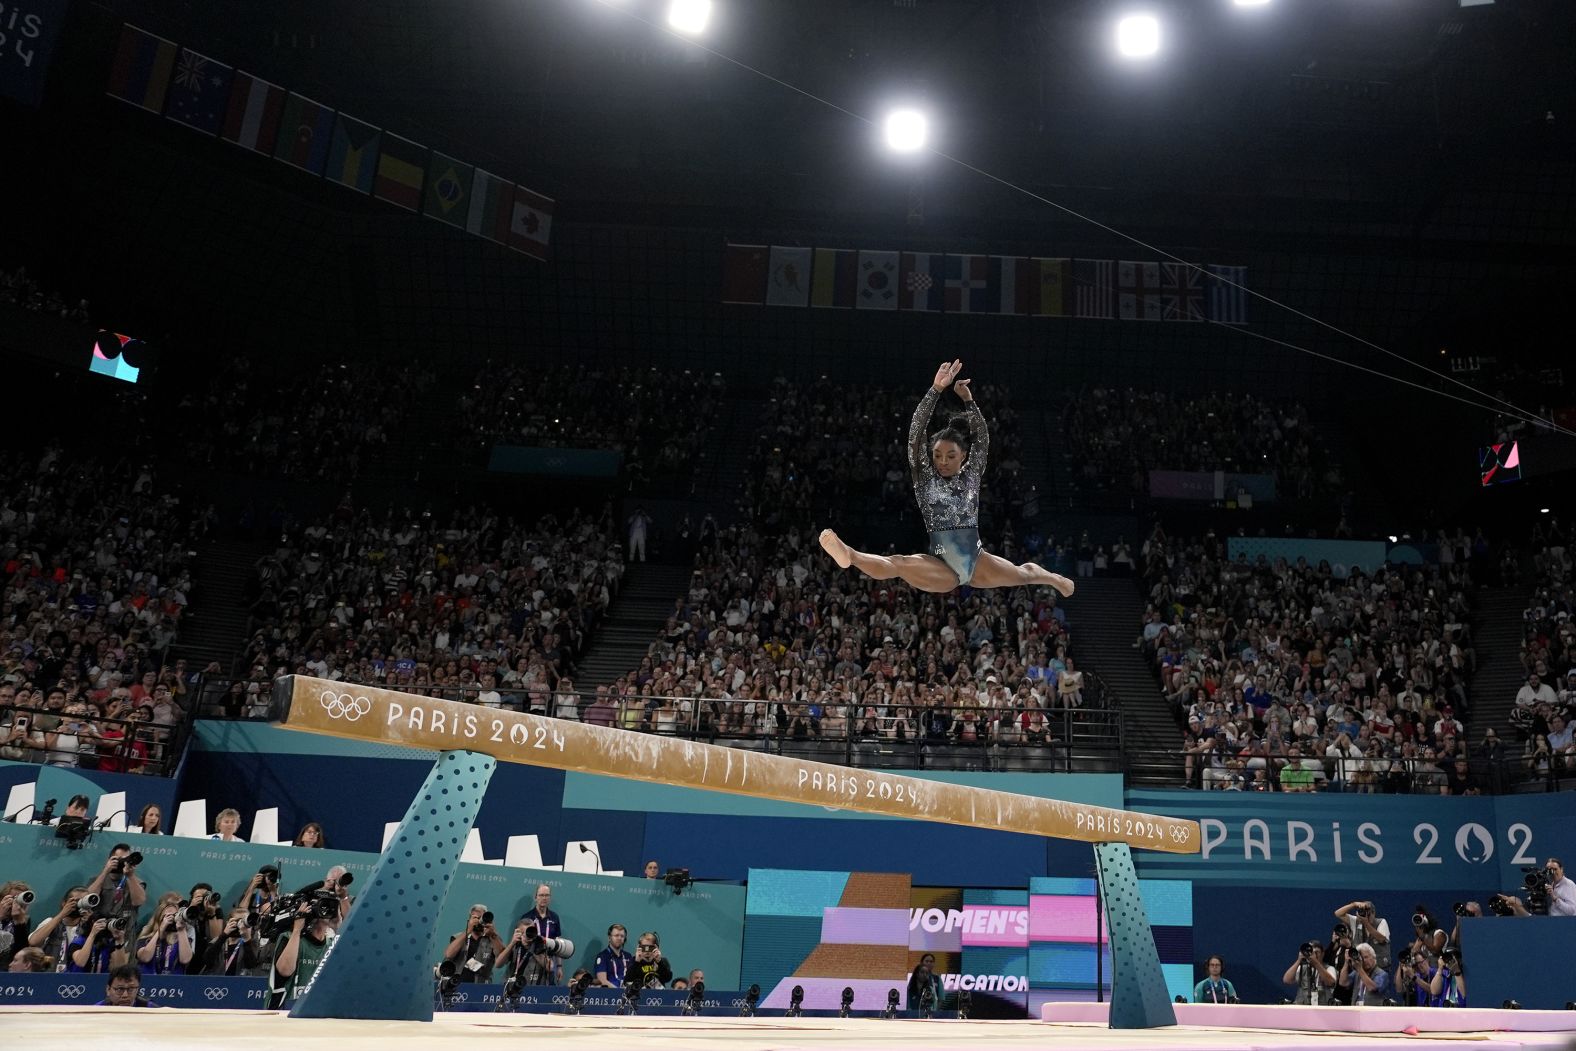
(1250, 3)
(906, 130)
(1138, 36)
(689, 16)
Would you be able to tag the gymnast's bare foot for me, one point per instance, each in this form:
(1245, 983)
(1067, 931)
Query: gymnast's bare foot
(1040, 575)
(1063, 585)
(837, 549)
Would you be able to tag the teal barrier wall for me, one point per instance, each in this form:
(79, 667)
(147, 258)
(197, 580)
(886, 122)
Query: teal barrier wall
(703, 927)
(61, 783)
(558, 463)
(1368, 555)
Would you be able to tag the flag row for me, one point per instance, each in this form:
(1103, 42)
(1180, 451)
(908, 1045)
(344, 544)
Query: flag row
(206, 95)
(849, 279)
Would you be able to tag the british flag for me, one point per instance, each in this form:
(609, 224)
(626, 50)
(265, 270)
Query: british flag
(1181, 292)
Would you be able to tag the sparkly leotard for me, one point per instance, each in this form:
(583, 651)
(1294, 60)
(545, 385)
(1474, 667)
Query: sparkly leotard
(950, 506)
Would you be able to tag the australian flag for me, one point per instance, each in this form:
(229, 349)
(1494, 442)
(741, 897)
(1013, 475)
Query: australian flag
(199, 92)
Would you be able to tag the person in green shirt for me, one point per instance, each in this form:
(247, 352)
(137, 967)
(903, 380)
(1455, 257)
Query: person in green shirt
(1214, 989)
(298, 954)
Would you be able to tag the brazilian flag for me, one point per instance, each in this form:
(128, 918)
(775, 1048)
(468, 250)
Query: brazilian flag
(448, 196)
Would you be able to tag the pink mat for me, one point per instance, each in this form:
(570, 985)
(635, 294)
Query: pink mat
(1339, 1019)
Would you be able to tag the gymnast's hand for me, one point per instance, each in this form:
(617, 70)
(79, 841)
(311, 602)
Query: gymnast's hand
(946, 374)
(962, 388)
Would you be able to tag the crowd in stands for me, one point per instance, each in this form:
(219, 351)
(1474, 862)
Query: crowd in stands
(1113, 438)
(301, 422)
(96, 558)
(1545, 706)
(1297, 677)
(657, 418)
(469, 603)
(19, 289)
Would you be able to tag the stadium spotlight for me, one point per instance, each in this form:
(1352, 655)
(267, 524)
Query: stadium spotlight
(906, 130)
(1250, 3)
(689, 16)
(1138, 36)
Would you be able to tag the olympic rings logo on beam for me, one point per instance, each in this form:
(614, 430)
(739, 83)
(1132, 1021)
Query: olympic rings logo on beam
(346, 706)
(214, 992)
(71, 992)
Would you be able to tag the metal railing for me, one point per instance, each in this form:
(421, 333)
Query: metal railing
(1320, 773)
(1062, 738)
(123, 746)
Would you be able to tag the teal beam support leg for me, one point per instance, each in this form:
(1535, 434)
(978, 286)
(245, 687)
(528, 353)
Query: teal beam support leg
(1139, 999)
(378, 966)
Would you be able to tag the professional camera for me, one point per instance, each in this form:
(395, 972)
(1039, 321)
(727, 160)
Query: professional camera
(559, 948)
(270, 874)
(118, 924)
(1419, 919)
(25, 897)
(1460, 909)
(118, 866)
(479, 927)
(200, 911)
(1499, 906)
(83, 905)
(1536, 880)
(678, 879)
(577, 993)
(445, 984)
(1305, 950)
(325, 905)
(74, 830)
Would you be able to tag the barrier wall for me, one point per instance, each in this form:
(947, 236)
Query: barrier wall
(700, 928)
(61, 783)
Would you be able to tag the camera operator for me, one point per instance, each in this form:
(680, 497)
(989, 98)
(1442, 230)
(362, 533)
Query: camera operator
(649, 968)
(612, 963)
(924, 980)
(544, 921)
(298, 953)
(54, 933)
(476, 949)
(1366, 982)
(15, 926)
(1314, 981)
(1427, 935)
(117, 885)
(339, 879)
(165, 945)
(262, 888)
(1367, 926)
(1339, 954)
(1215, 989)
(99, 945)
(205, 917)
(235, 951)
(1551, 889)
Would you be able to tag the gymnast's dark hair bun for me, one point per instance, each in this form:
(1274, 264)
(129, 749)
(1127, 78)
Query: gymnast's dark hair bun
(956, 431)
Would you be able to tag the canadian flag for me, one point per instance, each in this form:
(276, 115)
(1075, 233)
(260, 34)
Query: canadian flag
(531, 224)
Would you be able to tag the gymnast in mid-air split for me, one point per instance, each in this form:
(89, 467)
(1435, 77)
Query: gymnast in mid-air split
(947, 468)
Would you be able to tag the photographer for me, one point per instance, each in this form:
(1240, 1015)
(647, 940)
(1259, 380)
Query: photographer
(1427, 935)
(1550, 892)
(165, 945)
(1339, 953)
(1314, 981)
(14, 923)
(235, 951)
(612, 963)
(477, 948)
(262, 889)
(54, 933)
(533, 957)
(545, 923)
(298, 953)
(204, 915)
(99, 945)
(1215, 989)
(117, 885)
(649, 969)
(1367, 926)
(1366, 982)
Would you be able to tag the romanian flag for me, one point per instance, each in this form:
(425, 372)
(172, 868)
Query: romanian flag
(491, 207)
(306, 131)
(353, 155)
(448, 197)
(834, 279)
(141, 71)
(402, 169)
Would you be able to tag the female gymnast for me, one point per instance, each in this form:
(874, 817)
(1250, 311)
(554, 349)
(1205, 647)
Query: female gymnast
(946, 471)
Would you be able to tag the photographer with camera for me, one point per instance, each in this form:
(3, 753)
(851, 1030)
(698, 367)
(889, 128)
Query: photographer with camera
(1338, 953)
(164, 946)
(298, 952)
(476, 949)
(1549, 893)
(1366, 925)
(339, 880)
(612, 963)
(54, 933)
(120, 892)
(235, 951)
(534, 958)
(1428, 936)
(1315, 982)
(649, 969)
(15, 897)
(99, 944)
(1215, 989)
(546, 925)
(1366, 982)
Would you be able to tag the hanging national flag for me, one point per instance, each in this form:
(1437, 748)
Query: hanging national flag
(969, 285)
(1181, 292)
(252, 120)
(1138, 298)
(922, 281)
(835, 281)
(402, 164)
(491, 207)
(878, 282)
(1093, 295)
(788, 277)
(140, 73)
(448, 190)
(1228, 305)
(1051, 277)
(353, 154)
(306, 134)
(744, 274)
(531, 223)
(200, 92)
(1013, 286)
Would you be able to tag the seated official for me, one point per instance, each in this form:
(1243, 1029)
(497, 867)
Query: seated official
(476, 949)
(1215, 989)
(124, 988)
(613, 962)
(649, 970)
(297, 956)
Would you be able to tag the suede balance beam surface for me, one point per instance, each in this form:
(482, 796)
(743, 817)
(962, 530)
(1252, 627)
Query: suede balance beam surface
(367, 713)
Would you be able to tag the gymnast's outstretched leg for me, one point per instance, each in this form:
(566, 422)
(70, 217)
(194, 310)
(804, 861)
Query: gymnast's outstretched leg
(925, 572)
(993, 571)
